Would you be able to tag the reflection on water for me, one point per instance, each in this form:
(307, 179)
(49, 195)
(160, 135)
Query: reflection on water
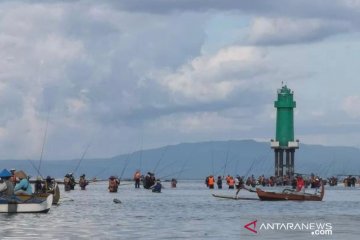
(187, 212)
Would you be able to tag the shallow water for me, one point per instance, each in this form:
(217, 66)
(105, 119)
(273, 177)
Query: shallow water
(187, 212)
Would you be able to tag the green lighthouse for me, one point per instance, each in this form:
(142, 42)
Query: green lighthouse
(284, 141)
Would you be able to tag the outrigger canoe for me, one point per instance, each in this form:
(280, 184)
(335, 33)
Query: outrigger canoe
(290, 195)
(26, 203)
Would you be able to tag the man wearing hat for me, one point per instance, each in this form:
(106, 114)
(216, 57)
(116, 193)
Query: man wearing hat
(82, 182)
(7, 187)
(157, 186)
(24, 186)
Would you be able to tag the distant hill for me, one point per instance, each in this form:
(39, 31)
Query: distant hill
(197, 160)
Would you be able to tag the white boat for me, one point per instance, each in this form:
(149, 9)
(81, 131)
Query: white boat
(25, 203)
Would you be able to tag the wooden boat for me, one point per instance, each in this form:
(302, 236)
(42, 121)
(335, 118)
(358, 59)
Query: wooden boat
(290, 195)
(233, 197)
(55, 191)
(52, 189)
(25, 203)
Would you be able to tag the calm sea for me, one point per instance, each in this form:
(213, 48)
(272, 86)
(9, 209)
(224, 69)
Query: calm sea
(187, 212)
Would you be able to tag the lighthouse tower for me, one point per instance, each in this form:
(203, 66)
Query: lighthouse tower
(284, 144)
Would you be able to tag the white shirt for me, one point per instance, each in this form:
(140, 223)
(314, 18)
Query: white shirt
(3, 186)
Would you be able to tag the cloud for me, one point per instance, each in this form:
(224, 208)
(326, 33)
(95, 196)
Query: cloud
(123, 69)
(351, 106)
(216, 77)
(281, 31)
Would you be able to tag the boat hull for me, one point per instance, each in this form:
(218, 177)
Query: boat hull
(26, 204)
(274, 196)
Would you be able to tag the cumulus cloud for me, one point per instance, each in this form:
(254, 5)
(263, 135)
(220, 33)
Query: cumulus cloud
(215, 77)
(126, 68)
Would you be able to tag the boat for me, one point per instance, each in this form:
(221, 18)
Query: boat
(290, 195)
(233, 197)
(25, 203)
(51, 186)
(55, 191)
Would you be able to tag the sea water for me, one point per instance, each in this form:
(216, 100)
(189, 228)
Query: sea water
(186, 212)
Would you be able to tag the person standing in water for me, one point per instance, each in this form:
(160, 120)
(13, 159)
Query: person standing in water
(137, 178)
(219, 182)
(173, 183)
(83, 182)
(240, 185)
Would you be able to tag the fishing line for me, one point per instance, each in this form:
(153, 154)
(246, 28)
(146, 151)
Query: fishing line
(160, 159)
(36, 169)
(44, 140)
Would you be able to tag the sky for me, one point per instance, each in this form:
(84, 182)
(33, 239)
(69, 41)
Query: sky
(121, 76)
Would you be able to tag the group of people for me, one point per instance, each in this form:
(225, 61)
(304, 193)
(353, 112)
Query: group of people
(350, 181)
(232, 182)
(298, 182)
(150, 181)
(44, 186)
(14, 183)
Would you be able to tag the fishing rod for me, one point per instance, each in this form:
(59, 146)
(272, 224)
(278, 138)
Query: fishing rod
(227, 156)
(182, 169)
(44, 140)
(160, 159)
(166, 166)
(126, 164)
(173, 173)
(212, 161)
(36, 169)
(141, 152)
(82, 157)
(236, 166)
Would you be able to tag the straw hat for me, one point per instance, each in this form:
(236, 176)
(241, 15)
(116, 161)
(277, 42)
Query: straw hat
(20, 174)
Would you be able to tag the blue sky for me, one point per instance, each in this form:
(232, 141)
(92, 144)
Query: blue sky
(126, 74)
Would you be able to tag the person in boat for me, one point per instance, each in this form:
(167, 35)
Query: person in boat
(173, 183)
(137, 178)
(2, 186)
(13, 178)
(24, 186)
(219, 182)
(49, 184)
(7, 185)
(114, 183)
(39, 188)
(157, 187)
(300, 184)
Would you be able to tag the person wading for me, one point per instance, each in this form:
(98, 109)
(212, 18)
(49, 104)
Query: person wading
(137, 178)
(211, 182)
